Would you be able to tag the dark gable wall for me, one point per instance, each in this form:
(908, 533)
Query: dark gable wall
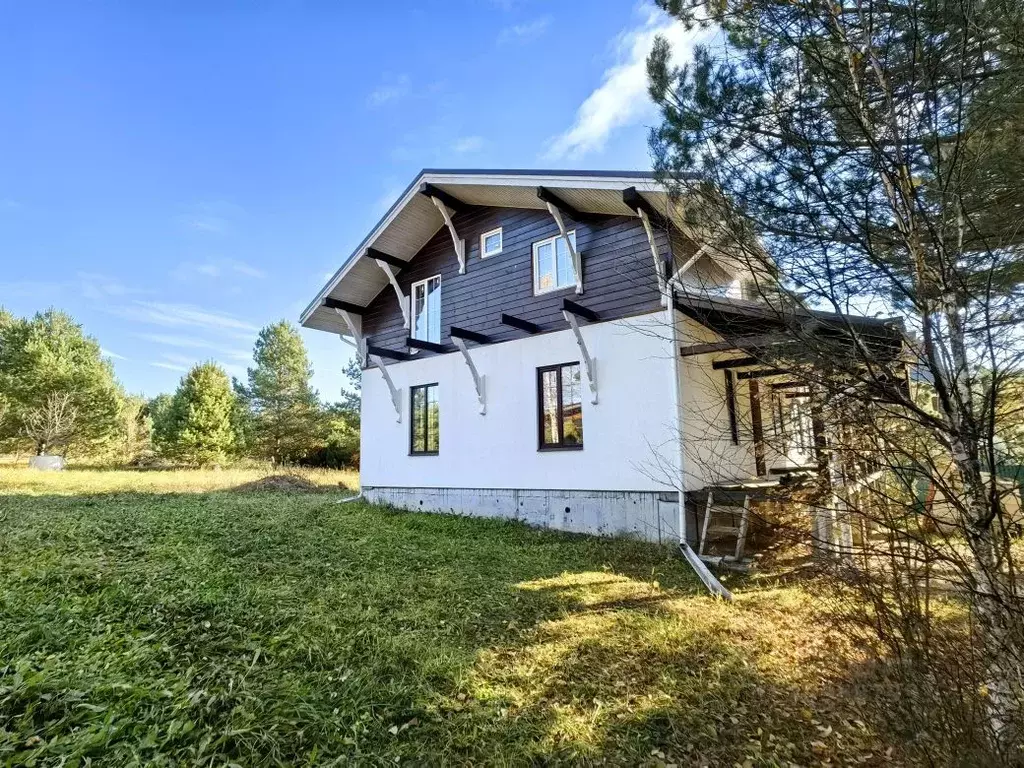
(618, 276)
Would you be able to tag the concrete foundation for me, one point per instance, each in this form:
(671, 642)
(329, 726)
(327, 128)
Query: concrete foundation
(648, 515)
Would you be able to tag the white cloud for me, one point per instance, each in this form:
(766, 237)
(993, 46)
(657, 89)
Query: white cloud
(393, 89)
(188, 270)
(468, 144)
(96, 286)
(524, 33)
(112, 355)
(171, 367)
(191, 342)
(622, 99)
(184, 315)
(214, 217)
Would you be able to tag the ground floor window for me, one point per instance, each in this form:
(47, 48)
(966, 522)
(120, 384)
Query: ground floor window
(424, 438)
(560, 401)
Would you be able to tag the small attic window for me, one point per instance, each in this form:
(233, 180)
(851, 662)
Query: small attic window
(490, 243)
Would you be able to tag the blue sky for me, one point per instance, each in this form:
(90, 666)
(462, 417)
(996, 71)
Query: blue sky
(178, 174)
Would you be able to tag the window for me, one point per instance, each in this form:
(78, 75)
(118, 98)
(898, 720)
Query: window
(426, 309)
(490, 243)
(560, 400)
(424, 438)
(552, 264)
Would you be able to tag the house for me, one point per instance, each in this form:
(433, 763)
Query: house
(542, 346)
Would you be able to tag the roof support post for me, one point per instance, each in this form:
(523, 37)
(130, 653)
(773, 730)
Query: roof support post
(358, 340)
(589, 363)
(459, 243)
(478, 380)
(659, 265)
(403, 300)
(396, 395)
(577, 264)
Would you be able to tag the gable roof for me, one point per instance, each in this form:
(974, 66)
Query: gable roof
(413, 220)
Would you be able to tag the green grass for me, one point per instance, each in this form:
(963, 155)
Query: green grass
(145, 618)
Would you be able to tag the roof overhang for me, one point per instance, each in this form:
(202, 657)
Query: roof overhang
(414, 219)
(739, 320)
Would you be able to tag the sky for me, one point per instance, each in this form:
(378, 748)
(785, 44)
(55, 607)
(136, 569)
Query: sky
(177, 175)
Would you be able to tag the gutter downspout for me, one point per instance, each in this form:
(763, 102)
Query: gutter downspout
(713, 585)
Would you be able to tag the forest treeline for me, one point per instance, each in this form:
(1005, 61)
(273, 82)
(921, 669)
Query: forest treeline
(59, 395)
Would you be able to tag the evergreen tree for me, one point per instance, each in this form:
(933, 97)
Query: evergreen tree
(198, 422)
(48, 355)
(285, 409)
(872, 154)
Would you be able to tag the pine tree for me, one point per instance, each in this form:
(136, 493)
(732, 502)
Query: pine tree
(286, 423)
(198, 428)
(872, 154)
(47, 355)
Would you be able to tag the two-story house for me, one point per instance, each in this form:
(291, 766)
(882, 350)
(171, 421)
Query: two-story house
(541, 345)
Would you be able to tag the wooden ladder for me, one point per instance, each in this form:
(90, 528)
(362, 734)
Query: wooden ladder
(740, 531)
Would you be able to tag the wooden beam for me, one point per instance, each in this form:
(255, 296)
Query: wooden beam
(762, 374)
(579, 310)
(635, 201)
(730, 399)
(757, 429)
(387, 258)
(548, 196)
(462, 333)
(390, 354)
(736, 362)
(522, 325)
(355, 309)
(429, 346)
(745, 342)
(448, 199)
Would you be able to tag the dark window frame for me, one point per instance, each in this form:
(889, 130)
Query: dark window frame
(426, 425)
(560, 445)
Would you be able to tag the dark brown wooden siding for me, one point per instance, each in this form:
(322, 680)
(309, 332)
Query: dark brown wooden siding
(618, 276)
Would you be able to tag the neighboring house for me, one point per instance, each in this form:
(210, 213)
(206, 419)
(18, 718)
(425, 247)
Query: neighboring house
(541, 345)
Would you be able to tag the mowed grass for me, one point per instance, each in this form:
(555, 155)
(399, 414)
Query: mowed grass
(165, 618)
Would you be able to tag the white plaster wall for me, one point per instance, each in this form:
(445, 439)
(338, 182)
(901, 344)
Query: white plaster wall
(710, 455)
(629, 436)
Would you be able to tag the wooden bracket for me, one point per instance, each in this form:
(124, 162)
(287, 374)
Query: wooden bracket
(396, 394)
(588, 362)
(659, 265)
(478, 380)
(358, 340)
(403, 300)
(459, 243)
(577, 264)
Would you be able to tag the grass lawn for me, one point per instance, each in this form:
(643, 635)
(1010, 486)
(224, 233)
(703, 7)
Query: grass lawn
(165, 617)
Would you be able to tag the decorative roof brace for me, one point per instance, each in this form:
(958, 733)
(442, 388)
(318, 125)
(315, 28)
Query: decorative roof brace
(478, 380)
(396, 397)
(358, 340)
(570, 310)
(459, 243)
(403, 300)
(577, 265)
(659, 265)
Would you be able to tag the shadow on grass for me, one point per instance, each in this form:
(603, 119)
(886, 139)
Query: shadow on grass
(273, 628)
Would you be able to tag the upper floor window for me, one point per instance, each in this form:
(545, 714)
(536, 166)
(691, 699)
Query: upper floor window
(490, 243)
(426, 309)
(424, 431)
(552, 264)
(560, 398)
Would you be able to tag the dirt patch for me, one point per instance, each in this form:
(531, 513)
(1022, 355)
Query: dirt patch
(282, 484)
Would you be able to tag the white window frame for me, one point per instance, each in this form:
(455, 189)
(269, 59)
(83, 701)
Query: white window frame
(484, 253)
(537, 290)
(412, 308)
